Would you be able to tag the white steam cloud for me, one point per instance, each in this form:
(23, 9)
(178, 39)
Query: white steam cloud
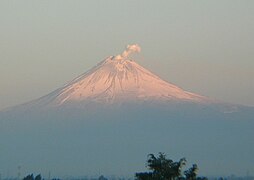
(135, 48)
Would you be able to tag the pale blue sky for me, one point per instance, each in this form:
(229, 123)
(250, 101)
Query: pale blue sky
(202, 46)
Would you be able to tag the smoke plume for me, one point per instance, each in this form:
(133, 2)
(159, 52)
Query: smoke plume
(135, 48)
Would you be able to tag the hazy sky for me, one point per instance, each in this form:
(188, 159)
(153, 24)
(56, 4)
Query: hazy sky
(202, 46)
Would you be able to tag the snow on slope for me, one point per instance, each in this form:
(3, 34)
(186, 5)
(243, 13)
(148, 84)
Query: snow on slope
(119, 79)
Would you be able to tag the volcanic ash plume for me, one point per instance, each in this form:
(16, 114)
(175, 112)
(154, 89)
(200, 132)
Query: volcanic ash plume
(135, 48)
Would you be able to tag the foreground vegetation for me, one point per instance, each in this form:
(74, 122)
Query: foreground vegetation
(160, 168)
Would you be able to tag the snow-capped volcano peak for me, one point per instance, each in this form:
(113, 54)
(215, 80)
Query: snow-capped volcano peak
(119, 79)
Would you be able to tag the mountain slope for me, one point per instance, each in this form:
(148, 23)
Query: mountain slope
(117, 80)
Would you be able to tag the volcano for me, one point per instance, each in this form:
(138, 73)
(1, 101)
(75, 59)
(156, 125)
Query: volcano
(120, 80)
(116, 80)
(108, 119)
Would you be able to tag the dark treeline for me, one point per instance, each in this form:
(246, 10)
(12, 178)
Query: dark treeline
(39, 177)
(160, 168)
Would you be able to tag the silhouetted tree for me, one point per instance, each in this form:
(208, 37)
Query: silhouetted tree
(102, 178)
(191, 174)
(31, 177)
(162, 168)
(38, 177)
(202, 178)
(145, 176)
